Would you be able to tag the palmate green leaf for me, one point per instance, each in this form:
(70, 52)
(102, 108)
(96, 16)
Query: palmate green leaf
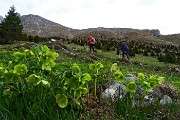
(114, 67)
(153, 84)
(146, 85)
(160, 80)
(31, 53)
(61, 100)
(18, 56)
(20, 69)
(131, 86)
(52, 63)
(66, 80)
(7, 91)
(81, 90)
(141, 76)
(78, 76)
(10, 62)
(85, 77)
(16, 78)
(75, 68)
(73, 83)
(153, 78)
(11, 77)
(33, 78)
(52, 55)
(55, 54)
(92, 66)
(2, 70)
(119, 76)
(99, 66)
(45, 83)
(45, 48)
(46, 67)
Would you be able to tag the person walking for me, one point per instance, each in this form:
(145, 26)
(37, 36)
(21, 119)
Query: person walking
(125, 50)
(91, 43)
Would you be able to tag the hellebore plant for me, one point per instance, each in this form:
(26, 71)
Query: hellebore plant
(145, 82)
(29, 72)
(96, 67)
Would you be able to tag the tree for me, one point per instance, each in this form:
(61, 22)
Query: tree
(10, 27)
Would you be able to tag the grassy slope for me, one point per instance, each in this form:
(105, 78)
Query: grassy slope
(139, 63)
(145, 64)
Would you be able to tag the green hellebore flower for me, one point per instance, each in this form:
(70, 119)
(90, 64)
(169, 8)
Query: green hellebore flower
(114, 67)
(18, 56)
(153, 84)
(75, 68)
(153, 78)
(85, 77)
(146, 85)
(141, 75)
(91, 66)
(45, 84)
(81, 90)
(50, 55)
(33, 78)
(131, 86)
(20, 69)
(99, 66)
(119, 76)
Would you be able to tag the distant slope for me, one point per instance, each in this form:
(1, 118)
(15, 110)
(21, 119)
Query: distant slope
(174, 38)
(37, 25)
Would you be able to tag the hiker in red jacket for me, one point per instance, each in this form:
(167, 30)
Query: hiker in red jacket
(91, 43)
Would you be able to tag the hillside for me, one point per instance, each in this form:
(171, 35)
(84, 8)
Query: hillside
(37, 25)
(174, 38)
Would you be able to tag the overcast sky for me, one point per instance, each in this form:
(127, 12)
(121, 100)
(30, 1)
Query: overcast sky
(81, 14)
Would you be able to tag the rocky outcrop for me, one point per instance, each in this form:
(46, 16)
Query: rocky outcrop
(162, 94)
(36, 25)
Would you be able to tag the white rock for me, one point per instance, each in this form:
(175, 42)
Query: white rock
(109, 93)
(166, 100)
(132, 78)
(115, 90)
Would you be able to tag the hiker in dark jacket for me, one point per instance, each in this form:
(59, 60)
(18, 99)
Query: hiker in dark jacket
(125, 51)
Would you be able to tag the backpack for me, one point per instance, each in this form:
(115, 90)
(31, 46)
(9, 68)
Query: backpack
(125, 48)
(94, 40)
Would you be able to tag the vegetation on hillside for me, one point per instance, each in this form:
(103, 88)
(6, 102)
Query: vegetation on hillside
(61, 79)
(70, 86)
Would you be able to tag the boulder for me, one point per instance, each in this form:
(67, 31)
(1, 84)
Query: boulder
(166, 100)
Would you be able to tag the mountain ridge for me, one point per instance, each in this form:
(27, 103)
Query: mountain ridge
(37, 25)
